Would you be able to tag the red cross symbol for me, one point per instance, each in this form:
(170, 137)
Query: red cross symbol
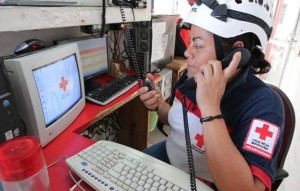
(63, 83)
(264, 132)
(200, 140)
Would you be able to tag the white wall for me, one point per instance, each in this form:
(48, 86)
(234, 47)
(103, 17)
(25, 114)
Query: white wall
(164, 6)
(285, 58)
(171, 6)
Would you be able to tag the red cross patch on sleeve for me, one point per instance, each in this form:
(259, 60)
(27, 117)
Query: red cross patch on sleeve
(262, 138)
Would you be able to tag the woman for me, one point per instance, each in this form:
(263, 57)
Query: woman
(235, 120)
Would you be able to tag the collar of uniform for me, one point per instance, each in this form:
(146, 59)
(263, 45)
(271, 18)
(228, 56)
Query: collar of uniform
(238, 81)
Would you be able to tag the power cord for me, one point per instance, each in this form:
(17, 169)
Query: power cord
(50, 165)
(103, 18)
(77, 183)
(107, 128)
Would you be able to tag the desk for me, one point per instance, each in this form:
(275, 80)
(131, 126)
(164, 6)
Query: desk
(134, 133)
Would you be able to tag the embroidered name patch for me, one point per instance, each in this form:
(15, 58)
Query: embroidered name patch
(262, 137)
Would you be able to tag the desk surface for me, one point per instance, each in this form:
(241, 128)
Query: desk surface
(71, 142)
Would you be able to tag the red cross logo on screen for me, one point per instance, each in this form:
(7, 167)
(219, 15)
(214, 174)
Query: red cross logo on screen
(200, 140)
(63, 84)
(264, 132)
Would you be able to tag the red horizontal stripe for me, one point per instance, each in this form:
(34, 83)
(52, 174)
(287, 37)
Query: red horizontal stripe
(91, 50)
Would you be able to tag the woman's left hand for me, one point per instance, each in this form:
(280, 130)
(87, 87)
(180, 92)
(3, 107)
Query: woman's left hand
(211, 82)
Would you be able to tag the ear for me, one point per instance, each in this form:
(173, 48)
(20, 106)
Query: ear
(238, 44)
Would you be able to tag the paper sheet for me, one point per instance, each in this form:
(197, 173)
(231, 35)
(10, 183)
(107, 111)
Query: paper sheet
(159, 41)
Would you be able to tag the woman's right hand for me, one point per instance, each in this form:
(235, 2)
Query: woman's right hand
(151, 99)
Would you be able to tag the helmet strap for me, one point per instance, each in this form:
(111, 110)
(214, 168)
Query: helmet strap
(218, 47)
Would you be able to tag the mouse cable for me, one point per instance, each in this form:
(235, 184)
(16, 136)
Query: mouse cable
(50, 165)
(77, 183)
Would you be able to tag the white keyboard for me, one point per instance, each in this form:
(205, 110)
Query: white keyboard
(109, 166)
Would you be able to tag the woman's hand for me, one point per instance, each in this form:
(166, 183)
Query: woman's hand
(151, 99)
(211, 82)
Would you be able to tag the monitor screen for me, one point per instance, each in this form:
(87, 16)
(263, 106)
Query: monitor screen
(93, 55)
(60, 92)
(50, 90)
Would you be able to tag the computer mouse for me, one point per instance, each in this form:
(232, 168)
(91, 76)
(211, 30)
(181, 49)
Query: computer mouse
(29, 45)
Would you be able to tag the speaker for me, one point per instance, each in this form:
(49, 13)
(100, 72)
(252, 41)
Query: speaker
(143, 40)
(143, 36)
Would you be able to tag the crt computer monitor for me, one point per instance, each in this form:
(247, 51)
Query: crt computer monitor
(49, 89)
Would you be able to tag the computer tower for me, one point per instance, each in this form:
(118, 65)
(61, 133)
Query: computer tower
(11, 125)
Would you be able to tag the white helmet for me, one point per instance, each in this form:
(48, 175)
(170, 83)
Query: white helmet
(230, 18)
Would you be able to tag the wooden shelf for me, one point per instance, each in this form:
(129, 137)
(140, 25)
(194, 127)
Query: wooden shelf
(178, 66)
(20, 18)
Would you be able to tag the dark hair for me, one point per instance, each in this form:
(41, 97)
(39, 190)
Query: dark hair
(257, 61)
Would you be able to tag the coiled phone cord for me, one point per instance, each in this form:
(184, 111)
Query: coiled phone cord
(188, 146)
(139, 74)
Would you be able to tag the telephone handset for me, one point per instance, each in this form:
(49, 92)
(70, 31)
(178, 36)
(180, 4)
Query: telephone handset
(148, 83)
(245, 57)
